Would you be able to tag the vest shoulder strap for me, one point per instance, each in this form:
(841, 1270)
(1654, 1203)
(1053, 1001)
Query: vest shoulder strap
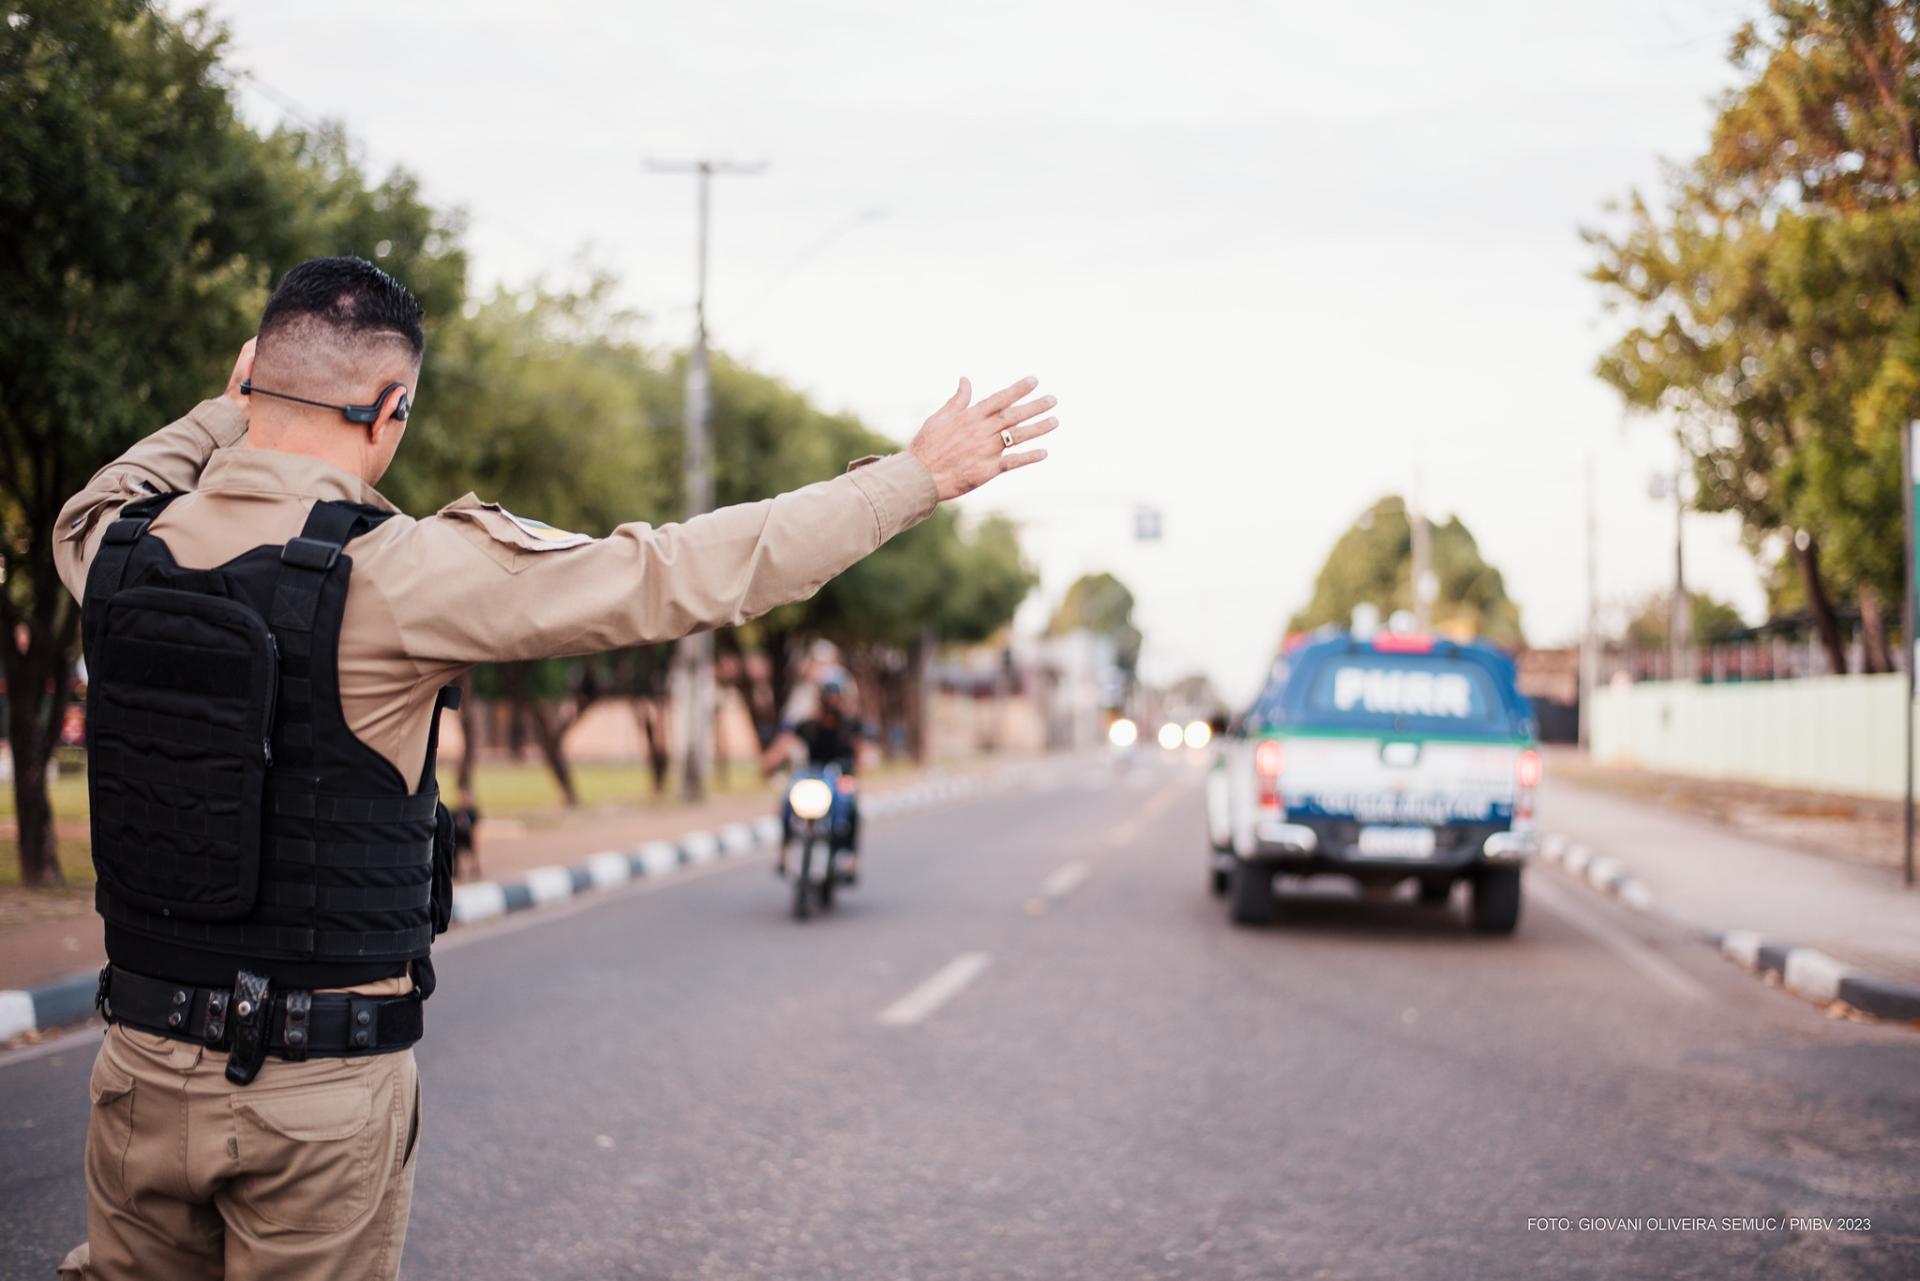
(307, 559)
(129, 526)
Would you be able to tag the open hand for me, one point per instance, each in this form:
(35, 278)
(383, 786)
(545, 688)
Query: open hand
(966, 445)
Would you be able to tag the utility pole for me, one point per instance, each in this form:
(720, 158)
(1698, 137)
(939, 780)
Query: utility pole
(1424, 586)
(1680, 617)
(1590, 651)
(694, 657)
(1680, 604)
(1908, 477)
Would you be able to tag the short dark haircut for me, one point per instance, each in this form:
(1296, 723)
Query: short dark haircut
(348, 295)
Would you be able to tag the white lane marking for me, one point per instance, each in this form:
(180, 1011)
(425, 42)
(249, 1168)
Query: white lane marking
(946, 983)
(1065, 879)
(700, 847)
(1629, 949)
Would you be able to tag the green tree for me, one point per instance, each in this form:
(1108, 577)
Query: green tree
(140, 226)
(937, 583)
(544, 401)
(1774, 297)
(1372, 563)
(1713, 620)
(1101, 604)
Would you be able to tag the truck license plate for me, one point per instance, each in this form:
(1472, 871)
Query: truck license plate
(1397, 842)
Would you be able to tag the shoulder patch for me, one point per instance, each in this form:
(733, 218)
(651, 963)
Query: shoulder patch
(505, 536)
(544, 536)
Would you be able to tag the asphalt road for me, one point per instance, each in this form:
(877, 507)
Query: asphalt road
(1031, 1046)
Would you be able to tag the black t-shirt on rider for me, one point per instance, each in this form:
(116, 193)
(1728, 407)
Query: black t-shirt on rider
(836, 744)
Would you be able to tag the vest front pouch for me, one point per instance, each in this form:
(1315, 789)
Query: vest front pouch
(179, 728)
(238, 821)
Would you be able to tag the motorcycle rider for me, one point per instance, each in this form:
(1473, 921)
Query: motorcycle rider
(831, 736)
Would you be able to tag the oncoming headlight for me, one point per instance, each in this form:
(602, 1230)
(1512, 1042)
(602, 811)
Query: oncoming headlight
(1198, 734)
(810, 798)
(1123, 733)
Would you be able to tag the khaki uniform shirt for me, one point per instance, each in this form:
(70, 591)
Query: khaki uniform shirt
(472, 583)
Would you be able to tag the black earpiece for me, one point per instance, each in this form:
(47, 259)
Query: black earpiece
(363, 414)
(371, 413)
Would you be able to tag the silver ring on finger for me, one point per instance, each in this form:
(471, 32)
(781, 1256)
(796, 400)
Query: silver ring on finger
(1006, 438)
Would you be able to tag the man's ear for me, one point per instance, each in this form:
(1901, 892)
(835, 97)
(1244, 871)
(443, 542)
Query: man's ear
(395, 406)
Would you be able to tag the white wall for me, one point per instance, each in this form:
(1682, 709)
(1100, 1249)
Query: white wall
(1823, 733)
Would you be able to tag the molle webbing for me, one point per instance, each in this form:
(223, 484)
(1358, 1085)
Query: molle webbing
(231, 821)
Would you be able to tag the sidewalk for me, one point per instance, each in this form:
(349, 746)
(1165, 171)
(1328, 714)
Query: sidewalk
(1716, 875)
(1852, 829)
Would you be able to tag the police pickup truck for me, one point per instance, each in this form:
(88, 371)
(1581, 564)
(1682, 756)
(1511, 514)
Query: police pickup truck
(1387, 758)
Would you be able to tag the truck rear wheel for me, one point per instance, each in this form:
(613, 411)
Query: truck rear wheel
(1250, 893)
(1496, 900)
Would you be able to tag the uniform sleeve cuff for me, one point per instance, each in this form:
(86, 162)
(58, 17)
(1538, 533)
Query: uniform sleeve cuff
(900, 490)
(224, 422)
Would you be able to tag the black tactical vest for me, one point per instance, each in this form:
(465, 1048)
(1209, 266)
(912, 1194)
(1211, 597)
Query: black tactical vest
(237, 822)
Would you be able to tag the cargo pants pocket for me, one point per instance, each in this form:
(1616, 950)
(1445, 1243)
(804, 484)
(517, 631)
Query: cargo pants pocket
(307, 1156)
(109, 1129)
(413, 1127)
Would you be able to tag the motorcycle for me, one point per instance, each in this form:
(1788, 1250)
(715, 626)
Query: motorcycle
(819, 804)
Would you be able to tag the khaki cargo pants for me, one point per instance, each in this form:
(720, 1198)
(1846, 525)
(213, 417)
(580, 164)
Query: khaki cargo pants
(305, 1174)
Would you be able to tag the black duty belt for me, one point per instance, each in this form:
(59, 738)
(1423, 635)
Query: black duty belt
(251, 1021)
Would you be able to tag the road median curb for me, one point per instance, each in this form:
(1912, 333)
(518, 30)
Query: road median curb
(1806, 972)
(70, 1000)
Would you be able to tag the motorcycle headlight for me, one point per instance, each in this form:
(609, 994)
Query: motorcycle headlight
(810, 798)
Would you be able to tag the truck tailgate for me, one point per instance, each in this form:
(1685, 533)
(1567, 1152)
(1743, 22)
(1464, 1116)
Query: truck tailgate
(1399, 780)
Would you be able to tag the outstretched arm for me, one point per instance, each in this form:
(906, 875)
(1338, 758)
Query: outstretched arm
(478, 584)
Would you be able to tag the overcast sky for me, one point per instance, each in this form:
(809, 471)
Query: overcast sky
(1275, 259)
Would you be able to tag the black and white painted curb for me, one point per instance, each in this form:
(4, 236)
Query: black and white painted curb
(1804, 971)
(1602, 873)
(71, 1000)
(478, 901)
(53, 1005)
(1812, 974)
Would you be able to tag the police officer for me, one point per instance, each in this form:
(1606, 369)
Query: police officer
(268, 641)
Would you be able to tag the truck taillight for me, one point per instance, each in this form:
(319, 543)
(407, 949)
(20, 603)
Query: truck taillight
(1269, 758)
(1528, 769)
